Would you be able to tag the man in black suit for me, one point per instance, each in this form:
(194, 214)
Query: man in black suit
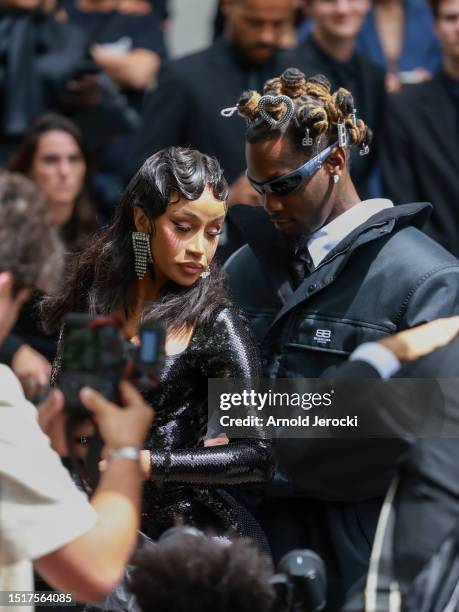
(334, 272)
(330, 49)
(424, 496)
(185, 107)
(420, 157)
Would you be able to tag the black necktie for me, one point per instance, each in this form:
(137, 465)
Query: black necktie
(301, 264)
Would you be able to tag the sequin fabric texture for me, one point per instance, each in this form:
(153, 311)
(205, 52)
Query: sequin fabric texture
(186, 477)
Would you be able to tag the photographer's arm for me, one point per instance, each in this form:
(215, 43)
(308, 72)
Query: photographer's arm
(92, 564)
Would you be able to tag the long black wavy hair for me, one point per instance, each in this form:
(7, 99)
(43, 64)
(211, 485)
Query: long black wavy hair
(101, 276)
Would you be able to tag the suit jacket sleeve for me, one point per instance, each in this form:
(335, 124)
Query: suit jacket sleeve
(397, 166)
(350, 467)
(436, 295)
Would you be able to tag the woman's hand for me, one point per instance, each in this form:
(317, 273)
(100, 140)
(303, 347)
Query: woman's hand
(220, 440)
(413, 343)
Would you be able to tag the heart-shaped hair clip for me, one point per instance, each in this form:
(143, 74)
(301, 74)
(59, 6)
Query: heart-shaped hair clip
(275, 101)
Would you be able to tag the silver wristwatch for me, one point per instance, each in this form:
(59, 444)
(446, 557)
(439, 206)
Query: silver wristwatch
(124, 452)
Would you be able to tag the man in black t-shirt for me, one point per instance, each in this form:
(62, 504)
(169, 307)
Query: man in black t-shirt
(128, 47)
(105, 98)
(330, 49)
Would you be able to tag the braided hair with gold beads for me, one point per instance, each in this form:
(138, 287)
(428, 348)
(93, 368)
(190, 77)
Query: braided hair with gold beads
(317, 113)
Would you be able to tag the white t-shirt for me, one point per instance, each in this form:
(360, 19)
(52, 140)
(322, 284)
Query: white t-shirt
(41, 509)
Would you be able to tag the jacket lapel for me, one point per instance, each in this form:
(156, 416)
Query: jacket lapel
(376, 227)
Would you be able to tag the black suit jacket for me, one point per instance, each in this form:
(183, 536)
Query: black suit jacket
(420, 156)
(427, 499)
(184, 109)
(365, 79)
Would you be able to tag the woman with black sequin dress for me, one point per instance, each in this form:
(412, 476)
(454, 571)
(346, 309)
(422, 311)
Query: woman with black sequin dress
(155, 260)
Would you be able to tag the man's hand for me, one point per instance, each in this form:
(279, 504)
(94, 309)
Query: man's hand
(32, 369)
(51, 418)
(242, 192)
(119, 427)
(413, 343)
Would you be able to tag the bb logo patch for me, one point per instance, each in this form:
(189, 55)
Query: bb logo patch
(322, 336)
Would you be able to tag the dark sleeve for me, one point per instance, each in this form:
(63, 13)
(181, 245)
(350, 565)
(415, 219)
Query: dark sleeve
(349, 467)
(433, 296)
(10, 346)
(148, 35)
(232, 354)
(399, 175)
(165, 118)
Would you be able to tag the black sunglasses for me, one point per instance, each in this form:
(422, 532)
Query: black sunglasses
(288, 183)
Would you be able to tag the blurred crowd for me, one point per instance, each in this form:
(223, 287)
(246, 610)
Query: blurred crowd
(89, 91)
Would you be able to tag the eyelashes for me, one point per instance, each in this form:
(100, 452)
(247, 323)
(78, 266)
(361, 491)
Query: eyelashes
(183, 229)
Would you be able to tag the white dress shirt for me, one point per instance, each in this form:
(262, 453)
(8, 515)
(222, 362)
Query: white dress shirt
(325, 239)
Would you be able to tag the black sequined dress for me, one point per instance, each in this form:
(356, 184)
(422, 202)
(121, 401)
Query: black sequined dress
(189, 481)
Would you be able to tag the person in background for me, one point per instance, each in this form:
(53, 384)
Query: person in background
(128, 47)
(54, 156)
(45, 519)
(185, 107)
(38, 55)
(124, 52)
(331, 49)
(420, 153)
(226, 575)
(400, 36)
(289, 38)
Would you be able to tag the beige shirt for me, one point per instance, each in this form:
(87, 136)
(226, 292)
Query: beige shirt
(41, 509)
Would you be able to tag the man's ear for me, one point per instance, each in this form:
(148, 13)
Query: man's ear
(336, 162)
(142, 222)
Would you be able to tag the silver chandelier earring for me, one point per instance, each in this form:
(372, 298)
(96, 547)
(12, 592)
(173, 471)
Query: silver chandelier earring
(142, 252)
(205, 274)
